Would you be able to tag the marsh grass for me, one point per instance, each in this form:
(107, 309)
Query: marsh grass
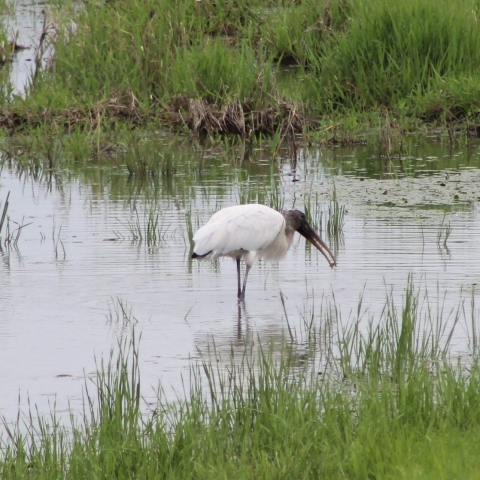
(120, 314)
(147, 226)
(225, 67)
(444, 232)
(156, 165)
(383, 401)
(335, 221)
(328, 220)
(45, 151)
(4, 211)
(269, 193)
(6, 49)
(314, 210)
(13, 229)
(394, 40)
(146, 161)
(191, 229)
(336, 215)
(58, 243)
(471, 325)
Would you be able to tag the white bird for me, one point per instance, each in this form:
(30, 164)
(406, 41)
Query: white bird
(253, 232)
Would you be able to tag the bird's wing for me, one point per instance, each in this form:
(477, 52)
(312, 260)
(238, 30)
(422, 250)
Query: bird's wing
(244, 227)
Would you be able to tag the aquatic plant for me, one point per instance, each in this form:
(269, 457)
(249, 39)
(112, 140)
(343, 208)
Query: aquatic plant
(364, 401)
(146, 227)
(443, 232)
(4, 212)
(336, 216)
(56, 241)
(12, 234)
(314, 210)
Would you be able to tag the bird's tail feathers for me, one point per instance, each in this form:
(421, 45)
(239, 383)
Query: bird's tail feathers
(196, 255)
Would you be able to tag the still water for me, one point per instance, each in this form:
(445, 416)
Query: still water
(77, 262)
(24, 23)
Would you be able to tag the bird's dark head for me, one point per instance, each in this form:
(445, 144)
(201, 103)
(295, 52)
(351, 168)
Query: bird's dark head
(297, 220)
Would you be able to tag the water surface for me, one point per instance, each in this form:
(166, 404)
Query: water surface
(77, 263)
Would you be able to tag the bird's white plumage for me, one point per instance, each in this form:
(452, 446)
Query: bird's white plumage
(252, 231)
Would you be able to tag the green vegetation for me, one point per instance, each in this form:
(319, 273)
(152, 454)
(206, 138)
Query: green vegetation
(379, 400)
(336, 216)
(243, 67)
(148, 226)
(444, 232)
(6, 51)
(13, 229)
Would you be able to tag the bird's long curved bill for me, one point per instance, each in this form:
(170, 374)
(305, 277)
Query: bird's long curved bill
(311, 235)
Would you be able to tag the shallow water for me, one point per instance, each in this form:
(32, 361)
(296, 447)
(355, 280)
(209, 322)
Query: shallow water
(24, 23)
(77, 264)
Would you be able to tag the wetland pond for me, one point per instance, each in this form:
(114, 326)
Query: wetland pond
(78, 262)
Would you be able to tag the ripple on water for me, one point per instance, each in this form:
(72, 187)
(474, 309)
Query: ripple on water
(59, 292)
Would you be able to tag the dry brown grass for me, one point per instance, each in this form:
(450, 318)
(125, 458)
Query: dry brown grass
(237, 119)
(198, 116)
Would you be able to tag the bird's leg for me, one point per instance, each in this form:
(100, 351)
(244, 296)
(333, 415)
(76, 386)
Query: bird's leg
(242, 295)
(239, 294)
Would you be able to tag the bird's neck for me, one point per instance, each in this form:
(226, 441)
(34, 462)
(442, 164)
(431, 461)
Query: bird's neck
(289, 234)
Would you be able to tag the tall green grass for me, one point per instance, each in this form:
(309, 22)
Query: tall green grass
(382, 400)
(156, 53)
(6, 52)
(394, 54)
(138, 61)
(328, 220)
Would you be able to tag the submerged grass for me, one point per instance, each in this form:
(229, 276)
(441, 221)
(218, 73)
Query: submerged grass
(386, 403)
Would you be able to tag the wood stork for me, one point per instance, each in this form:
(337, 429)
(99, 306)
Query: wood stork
(252, 232)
